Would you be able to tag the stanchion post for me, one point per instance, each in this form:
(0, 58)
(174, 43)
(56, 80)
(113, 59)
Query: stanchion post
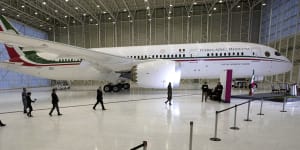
(248, 111)
(191, 135)
(216, 126)
(283, 105)
(145, 145)
(234, 124)
(261, 104)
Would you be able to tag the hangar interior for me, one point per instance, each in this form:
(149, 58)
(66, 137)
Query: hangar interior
(111, 23)
(106, 23)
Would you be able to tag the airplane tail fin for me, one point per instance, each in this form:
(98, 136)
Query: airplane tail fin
(14, 52)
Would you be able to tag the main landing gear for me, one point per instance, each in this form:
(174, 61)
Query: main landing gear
(116, 87)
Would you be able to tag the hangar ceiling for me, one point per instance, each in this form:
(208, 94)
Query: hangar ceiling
(46, 14)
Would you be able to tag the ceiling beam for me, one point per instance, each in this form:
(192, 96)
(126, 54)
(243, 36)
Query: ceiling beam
(107, 10)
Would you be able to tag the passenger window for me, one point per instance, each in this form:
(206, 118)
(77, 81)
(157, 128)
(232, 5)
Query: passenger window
(277, 53)
(220, 54)
(242, 53)
(216, 54)
(164, 56)
(172, 56)
(238, 53)
(146, 57)
(160, 56)
(179, 55)
(168, 56)
(175, 55)
(212, 54)
(183, 55)
(156, 56)
(138, 57)
(207, 54)
(141, 57)
(224, 54)
(228, 54)
(233, 53)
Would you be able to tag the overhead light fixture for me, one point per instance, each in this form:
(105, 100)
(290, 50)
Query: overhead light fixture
(76, 8)
(18, 15)
(98, 6)
(41, 25)
(209, 15)
(65, 27)
(145, 0)
(23, 6)
(114, 22)
(73, 21)
(56, 10)
(84, 14)
(128, 16)
(3, 9)
(96, 24)
(50, 28)
(238, 6)
(91, 20)
(149, 19)
(171, 5)
(264, 4)
(104, 12)
(44, 3)
(66, 16)
(124, 10)
(170, 12)
(149, 14)
(66, 0)
(36, 13)
(215, 8)
(189, 16)
(195, 3)
(47, 18)
(147, 7)
(109, 18)
(220, 1)
(169, 17)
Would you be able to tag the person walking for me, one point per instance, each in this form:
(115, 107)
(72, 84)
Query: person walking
(99, 99)
(169, 98)
(2, 124)
(28, 102)
(204, 91)
(24, 101)
(55, 101)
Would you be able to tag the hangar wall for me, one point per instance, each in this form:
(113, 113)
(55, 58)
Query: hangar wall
(280, 29)
(9, 79)
(220, 25)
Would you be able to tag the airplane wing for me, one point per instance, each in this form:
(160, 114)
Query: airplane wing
(112, 62)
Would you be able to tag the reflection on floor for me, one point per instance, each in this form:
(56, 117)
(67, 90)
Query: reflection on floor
(139, 115)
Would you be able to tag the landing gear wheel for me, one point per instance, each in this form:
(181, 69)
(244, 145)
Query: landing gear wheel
(107, 88)
(116, 88)
(126, 86)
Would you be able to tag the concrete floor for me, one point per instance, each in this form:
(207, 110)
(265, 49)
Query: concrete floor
(141, 115)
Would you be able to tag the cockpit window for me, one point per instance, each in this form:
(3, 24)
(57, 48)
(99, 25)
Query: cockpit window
(267, 54)
(277, 53)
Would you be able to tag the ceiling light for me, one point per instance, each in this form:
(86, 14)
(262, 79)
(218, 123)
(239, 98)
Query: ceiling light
(23, 6)
(171, 5)
(195, 3)
(220, 1)
(73, 21)
(44, 3)
(147, 7)
(66, 0)
(35, 13)
(209, 15)
(98, 6)
(41, 25)
(150, 19)
(264, 4)
(50, 28)
(124, 10)
(76, 8)
(84, 14)
(238, 6)
(66, 16)
(128, 16)
(91, 20)
(47, 18)
(96, 24)
(56, 10)
(131, 21)
(114, 22)
(104, 12)
(18, 15)
(109, 18)
(145, 0)
(65, 27)
(170, 12)
(189, 16)
(169, 17)
(215, 8)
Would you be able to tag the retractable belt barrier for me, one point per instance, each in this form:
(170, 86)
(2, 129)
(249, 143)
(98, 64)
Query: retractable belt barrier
(144, 145)
(215, 138)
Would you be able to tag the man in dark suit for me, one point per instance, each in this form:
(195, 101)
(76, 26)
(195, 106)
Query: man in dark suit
(169, 98)
(2, 124)
(204, 91)
(218, 91)
(99, 99)
(55, 101)
(24, 101)
(28, 103)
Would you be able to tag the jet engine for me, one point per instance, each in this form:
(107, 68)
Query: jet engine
(156, 74)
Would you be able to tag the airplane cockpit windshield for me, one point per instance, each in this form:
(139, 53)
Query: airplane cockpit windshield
(277, 53)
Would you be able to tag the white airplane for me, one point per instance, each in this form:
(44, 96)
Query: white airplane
(149, 66)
